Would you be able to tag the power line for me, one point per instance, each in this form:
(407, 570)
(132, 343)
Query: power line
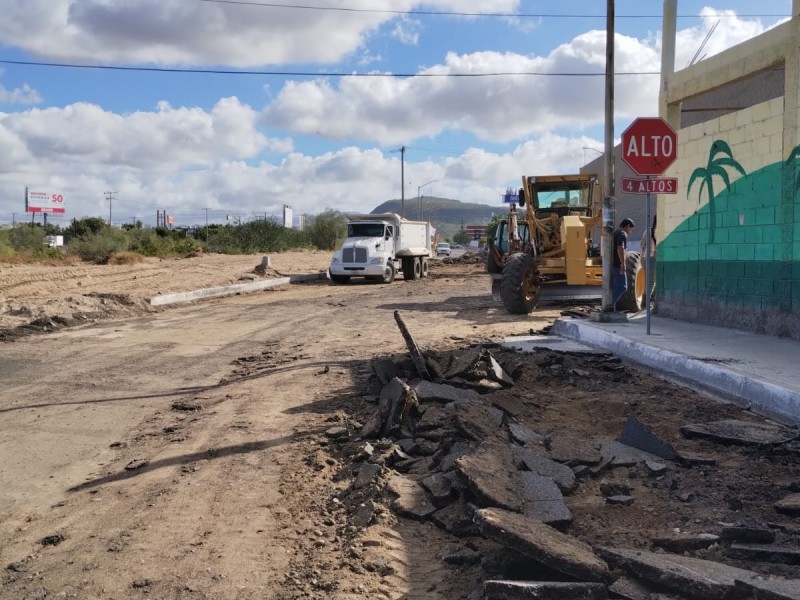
(468, 14)
(315, 74)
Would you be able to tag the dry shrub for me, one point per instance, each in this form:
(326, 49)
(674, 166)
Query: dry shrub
(125, 258)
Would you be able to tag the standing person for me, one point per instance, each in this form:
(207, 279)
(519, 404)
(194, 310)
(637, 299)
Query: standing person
(619, 281)
(649, 262)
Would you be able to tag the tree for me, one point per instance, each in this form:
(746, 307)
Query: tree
(327, 229)
(715, 166)
(462, 236)
(83, 227)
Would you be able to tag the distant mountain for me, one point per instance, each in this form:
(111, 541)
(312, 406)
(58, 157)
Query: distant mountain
(445, 214)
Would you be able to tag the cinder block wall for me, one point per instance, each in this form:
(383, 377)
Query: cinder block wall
(730, 253)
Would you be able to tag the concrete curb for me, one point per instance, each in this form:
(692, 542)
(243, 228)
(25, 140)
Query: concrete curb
(762, 397)
(230, 290)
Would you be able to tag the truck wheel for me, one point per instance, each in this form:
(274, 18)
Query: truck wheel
(388, 274)
(633, 298)
(491, 262)
(424, 260)
(519, 287)
(411, 268)
(339, 278)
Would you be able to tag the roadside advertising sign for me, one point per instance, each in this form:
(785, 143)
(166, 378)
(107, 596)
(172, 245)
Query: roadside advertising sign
(38, 201)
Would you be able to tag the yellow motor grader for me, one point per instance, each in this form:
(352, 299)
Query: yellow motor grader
(552, 243)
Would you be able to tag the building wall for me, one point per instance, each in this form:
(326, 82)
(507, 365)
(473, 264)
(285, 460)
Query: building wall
(730, 254)
(729, 241)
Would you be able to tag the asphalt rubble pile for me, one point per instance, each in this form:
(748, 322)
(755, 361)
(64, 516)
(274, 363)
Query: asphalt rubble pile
(433, 448)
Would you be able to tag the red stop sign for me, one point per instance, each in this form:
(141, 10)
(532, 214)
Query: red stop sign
(649, 146)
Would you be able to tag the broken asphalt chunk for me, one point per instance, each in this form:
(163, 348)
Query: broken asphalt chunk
(692, 577)
(680, 543)
(541, 464)
(771, 553)
(413, 349)
(542, 543)
(747, 535)
(524, 435)
(543, 590)
(637, 435)
(427, 391)
(396, 403)
(622, 455)
(385, 369)
(768, 589)
(367, 473)
(411, 499)
(490, 474)
(478, 421)
(746, 433)
(790, 505)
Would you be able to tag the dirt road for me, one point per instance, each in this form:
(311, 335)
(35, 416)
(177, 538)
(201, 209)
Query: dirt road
(187, 452)
(167, 450)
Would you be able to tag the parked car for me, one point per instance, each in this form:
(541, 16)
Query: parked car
(443, 249)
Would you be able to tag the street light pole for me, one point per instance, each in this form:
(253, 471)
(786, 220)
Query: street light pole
(419, 198)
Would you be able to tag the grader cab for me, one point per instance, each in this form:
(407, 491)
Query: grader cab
(552, 242)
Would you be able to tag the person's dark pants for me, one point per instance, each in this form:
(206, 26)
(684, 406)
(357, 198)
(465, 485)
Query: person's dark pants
(619, 285)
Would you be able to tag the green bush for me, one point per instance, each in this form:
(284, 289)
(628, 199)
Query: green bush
(25, 237)
(255, 236)
(100, 246)
(327, 229)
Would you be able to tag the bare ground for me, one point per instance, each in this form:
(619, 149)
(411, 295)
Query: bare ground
(182, 453)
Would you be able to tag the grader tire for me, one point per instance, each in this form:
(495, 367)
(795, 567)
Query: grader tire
(633, 298)
(519, 287)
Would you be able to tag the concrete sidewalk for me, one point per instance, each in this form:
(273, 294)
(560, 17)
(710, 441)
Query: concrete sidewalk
(756, 371)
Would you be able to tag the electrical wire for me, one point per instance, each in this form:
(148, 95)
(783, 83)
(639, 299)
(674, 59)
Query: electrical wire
(314, 74)
(467, 14)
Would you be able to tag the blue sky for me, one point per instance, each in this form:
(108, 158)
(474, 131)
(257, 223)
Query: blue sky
(196, 143)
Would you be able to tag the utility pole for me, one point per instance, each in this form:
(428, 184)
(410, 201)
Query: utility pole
(402, 152)
(402, 181)
(110, 198)
(13, 219)
(205, 209)
(609, 214)
(419, 198)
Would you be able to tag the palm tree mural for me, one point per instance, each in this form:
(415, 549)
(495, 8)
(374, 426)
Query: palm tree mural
(719, 157)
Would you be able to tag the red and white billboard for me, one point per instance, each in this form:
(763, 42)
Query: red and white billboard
(38, 201)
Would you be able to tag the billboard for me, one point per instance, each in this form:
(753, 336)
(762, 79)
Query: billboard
(39, 201)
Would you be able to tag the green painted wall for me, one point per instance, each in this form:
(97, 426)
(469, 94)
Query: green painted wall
(736, 261)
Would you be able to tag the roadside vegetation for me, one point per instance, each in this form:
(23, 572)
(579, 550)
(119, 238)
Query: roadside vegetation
(93, 240)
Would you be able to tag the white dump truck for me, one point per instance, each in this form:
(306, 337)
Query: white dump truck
(380, 246)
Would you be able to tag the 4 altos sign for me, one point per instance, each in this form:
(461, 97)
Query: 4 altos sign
(649, 146)
(659, 185)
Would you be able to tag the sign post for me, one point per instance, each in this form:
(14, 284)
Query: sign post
(649, 146)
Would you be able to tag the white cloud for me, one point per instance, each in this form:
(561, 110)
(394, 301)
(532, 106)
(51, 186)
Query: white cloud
(162, 139)
(21, 95)
(181, 32)
(184, 159)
